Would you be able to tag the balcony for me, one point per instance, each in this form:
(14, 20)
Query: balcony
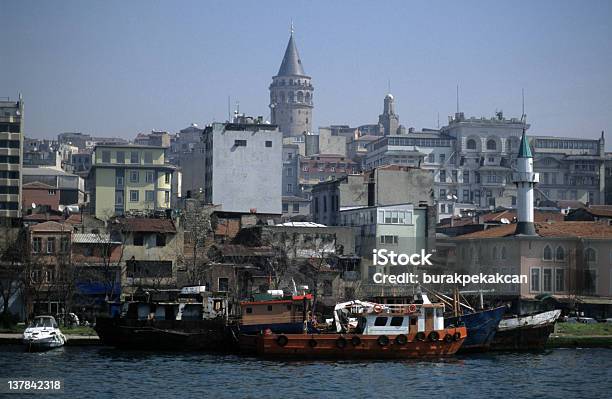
(530, 177)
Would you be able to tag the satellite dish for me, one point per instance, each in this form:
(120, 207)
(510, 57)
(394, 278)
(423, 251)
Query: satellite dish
(454, 197)
(449, 197)
(33, 205)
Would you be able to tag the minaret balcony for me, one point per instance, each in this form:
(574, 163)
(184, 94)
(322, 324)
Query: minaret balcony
(526, 177)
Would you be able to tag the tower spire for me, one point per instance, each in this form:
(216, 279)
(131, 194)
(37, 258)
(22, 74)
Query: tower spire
(291, 29)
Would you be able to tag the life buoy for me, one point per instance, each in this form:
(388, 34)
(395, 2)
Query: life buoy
(412, 308)
(355, 340)
(383, 340)
(312, 343)
(401, 339)
(420, 336)
(434, 336)
(457, 336)
(282, 340)
(341, 343)
(448, 338)
(378, 308)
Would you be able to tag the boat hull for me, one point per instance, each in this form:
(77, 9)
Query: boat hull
(301, 346)
(481, 328)
(176, 335)
(43, 344)
(527, 333)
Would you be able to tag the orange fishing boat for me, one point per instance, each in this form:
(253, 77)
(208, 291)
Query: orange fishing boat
(376, 331)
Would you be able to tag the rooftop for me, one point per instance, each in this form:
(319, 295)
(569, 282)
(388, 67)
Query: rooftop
(147, 225)
(555, 229)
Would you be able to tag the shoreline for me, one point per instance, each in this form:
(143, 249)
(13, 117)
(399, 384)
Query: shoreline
(554, 341)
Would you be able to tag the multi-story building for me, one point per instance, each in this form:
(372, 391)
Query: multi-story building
(243, 166)
(473, 160)
(294, 203)
(291, 95)
(128, 179)
(69, 187)
(319, 168)
(11, 158)
(156, 138)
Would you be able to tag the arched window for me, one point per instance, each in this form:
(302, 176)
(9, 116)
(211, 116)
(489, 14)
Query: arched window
(300, 97)
(503, 253)
(560, 254)
(491, 145)
(471, 144)
(590, 255)
(307, 98)
(547, 253)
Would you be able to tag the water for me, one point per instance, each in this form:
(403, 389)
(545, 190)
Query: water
(99, 372)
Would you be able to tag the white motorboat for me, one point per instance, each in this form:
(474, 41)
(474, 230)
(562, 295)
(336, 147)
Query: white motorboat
(43, 334)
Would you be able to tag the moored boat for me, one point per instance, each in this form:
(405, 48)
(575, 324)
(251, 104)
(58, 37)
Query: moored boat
(382, 332)
(43, 334)
(197, 320)
(528, 332)
(276, 312)
(481, 328)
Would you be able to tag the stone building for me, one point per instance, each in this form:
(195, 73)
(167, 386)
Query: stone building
(291, 95)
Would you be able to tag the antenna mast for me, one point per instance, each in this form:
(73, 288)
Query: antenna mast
(457, 98)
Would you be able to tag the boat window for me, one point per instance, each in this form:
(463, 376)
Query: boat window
(397, 321)
(249, 310)
(380, 321)
(269, 308)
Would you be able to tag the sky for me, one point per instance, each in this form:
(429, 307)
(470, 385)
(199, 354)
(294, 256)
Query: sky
(117, 68)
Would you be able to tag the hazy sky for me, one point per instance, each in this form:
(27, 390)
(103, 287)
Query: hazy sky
(116, 68)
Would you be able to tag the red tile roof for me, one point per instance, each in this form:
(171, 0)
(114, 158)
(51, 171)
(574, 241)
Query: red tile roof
(496, 217)
(551, 229)
(148, 225)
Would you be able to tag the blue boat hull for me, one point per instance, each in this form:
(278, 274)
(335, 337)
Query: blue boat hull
(481, 327)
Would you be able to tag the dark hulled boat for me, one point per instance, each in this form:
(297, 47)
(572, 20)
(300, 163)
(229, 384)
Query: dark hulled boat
(196, 321)
(481, 328)
(524, 333)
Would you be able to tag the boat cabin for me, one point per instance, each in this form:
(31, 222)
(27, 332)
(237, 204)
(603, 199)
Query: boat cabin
(279, 314)
(43, 322)
(390, 321)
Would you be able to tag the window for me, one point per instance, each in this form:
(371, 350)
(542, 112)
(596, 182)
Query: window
(471, 144)
(535, 279)
(133, 195)
(296, 208)
(51, 245)
(442, 176)
(240, 143)
(380, 321)
(290, 188)
(466, 176)
(559, 280)
(431, 158)
(167, 197)
(120, 157)
(149, 176)
(491, 145)
(36, 245)
(289, 172)
(64, 245)
(560, 253)
(106, 156)
(442, 158)
(327, 288)
(134, 157)
(397, 321)
(285, 208)
(249, 310)
(392, 240)
(224, 286)
(268, 143)
(134, 176)
(167, 178)
(149, 196)
(590, 255)
(138, 239)
(547, 279)
(590, 281)
(118, 197)
(119, 181)
(547, 253)
(148, 157)
(160, 240)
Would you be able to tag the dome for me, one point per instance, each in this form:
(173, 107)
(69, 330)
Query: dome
(389, 96)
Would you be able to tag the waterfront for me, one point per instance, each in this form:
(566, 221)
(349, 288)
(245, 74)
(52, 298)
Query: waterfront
(101, 372)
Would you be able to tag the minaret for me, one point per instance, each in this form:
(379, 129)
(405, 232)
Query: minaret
(291, 95)
(525, 180)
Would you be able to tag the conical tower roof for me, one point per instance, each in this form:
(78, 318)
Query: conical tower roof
(524, 149)
(291, 65)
